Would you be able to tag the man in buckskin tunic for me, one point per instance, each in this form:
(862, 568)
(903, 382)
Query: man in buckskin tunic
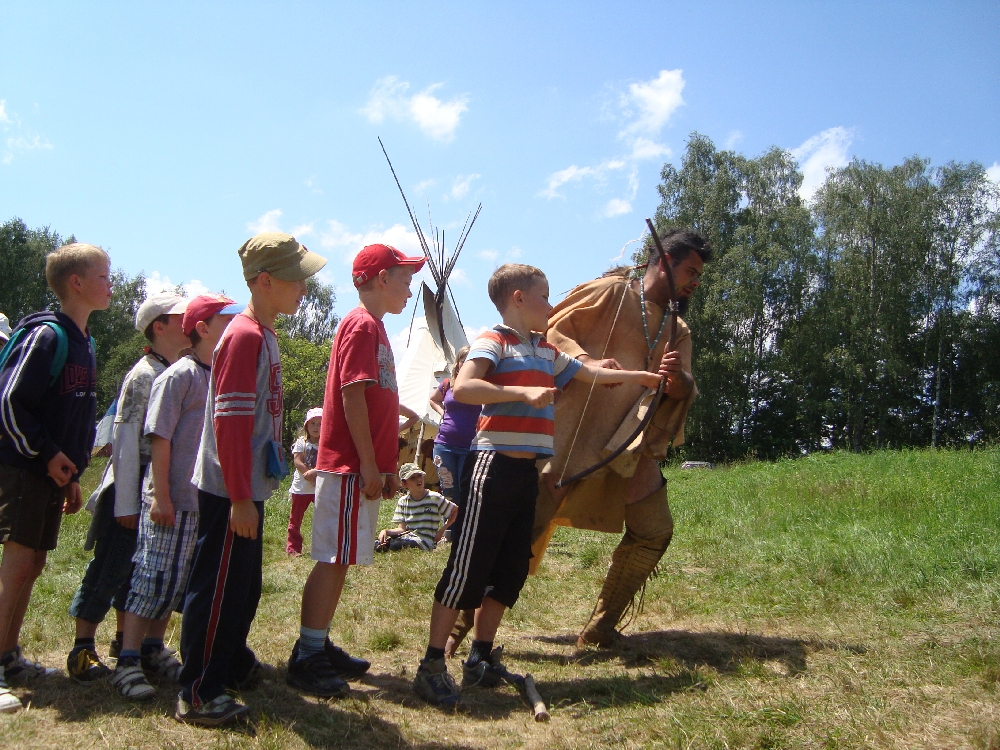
(602, 321)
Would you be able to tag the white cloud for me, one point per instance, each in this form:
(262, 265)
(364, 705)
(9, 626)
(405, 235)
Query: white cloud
(490, 255)
(302, 230)
(515, 253)
(617, 207)
(424, 185)
(643, 148)
(735, 136)
(339, 237)
(460, 188)
(826, 150)
(993, 172)
(157, 282)
(653, 102)
(313, 184)
(266, 222)
(574, 173)
(460, 277)
(19, 139)
(436, 118)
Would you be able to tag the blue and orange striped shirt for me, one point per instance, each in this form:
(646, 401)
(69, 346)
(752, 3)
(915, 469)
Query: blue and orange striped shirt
(513, 425)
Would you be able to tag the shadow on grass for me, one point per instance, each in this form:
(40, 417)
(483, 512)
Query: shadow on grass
(720, 650)
(274, 709)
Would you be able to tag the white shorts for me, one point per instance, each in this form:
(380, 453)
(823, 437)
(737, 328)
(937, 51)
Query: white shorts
(345, 522)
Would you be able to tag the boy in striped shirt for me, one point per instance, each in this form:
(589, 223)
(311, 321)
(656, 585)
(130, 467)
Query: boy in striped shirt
(514, 373)
(421, 516)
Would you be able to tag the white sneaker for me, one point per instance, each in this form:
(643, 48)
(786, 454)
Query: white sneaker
(9, 702)
(162, 663)
(20, 669)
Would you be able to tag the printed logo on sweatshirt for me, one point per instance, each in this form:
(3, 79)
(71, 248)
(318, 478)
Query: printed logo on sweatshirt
(77, 378)
(274, 403)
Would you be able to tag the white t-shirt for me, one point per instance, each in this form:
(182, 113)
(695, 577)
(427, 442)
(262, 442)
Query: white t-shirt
(308, 450)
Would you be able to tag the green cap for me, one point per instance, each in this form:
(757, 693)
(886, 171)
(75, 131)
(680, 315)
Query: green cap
(280, 255)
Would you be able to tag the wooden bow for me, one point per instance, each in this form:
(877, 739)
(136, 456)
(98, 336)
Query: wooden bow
(658, 393)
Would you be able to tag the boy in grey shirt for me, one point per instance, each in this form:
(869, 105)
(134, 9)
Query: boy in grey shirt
(168, 522)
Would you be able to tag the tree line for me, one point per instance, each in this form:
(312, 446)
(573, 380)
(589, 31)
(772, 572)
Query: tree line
(304, 338)
(867, 318)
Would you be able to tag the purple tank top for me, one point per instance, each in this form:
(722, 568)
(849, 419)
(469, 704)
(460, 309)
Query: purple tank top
(458, 425)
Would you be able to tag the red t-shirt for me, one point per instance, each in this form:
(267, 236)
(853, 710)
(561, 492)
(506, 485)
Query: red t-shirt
(361, 352)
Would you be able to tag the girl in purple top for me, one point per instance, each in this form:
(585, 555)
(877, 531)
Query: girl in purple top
(458, 427)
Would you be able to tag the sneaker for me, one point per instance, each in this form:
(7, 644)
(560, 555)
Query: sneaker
(435, 685)
(114, 649)
(162, 662)
(215, 713)
(250, 680)
(343, 663)
(84, 666)
(19, 669)
(9, 702)
(485, 674)
(131, 681)
(315, 675)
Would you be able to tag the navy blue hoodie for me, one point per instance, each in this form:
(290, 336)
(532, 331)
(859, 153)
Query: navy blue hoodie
(38, 420)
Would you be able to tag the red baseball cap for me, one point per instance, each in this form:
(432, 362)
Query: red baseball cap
(204, 306)
(375, 258)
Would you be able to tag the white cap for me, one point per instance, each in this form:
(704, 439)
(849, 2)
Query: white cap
(162, 303)
(316, 411)
(4, 327)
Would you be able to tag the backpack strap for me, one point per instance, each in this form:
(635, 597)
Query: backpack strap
(58, 360)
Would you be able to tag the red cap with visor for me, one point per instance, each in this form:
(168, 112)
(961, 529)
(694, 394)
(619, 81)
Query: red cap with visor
(376, 258)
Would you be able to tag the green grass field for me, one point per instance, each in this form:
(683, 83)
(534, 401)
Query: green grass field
(839, 601)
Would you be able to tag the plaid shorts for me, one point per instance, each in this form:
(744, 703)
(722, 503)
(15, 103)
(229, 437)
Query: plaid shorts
(163, 558)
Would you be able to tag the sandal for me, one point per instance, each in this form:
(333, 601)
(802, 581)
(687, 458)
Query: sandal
(132, 683)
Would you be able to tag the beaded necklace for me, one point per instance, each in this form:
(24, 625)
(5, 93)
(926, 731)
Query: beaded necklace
(645, 325)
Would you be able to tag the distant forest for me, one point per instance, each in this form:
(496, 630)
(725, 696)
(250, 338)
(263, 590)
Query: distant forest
(867, 318)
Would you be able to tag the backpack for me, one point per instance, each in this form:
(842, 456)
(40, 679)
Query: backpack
(62, 348)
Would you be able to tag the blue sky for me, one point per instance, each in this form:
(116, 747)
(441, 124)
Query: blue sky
(169, 134)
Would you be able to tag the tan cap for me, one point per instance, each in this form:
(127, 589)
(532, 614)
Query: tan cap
(408, 470)
(280, 255)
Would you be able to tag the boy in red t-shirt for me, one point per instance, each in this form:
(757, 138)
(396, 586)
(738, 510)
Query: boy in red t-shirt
(358, 448)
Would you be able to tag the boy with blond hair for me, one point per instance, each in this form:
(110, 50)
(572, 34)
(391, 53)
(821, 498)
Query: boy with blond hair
(240, 462)
(116, 503)
(168, 523)
(358, 449)
(515, 374)
(47, 416)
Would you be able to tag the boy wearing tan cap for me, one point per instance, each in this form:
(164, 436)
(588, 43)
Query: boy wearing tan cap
(358, 449)
(116, 503)
(239, 465)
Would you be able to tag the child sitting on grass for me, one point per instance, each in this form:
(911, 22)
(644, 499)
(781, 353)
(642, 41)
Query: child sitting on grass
(303, 489)
(421, 516)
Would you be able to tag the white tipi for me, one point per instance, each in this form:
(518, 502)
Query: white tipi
(433, 339)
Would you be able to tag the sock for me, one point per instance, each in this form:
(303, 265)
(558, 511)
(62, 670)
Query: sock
(149, 645)
(119, 636)
(83, 643)
(311, 641)
(433, 653)
(128, 655)
(479, 651)
(7, 657)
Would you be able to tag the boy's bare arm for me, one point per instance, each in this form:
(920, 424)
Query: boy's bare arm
(161, 511)
(356, 414)
(471, 388)
(608, 375)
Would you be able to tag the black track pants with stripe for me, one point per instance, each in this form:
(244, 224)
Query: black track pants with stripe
(223, 593)
(491, 542)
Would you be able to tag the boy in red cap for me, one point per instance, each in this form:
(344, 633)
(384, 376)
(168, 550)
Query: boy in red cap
(358, 449)
(168, 518)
